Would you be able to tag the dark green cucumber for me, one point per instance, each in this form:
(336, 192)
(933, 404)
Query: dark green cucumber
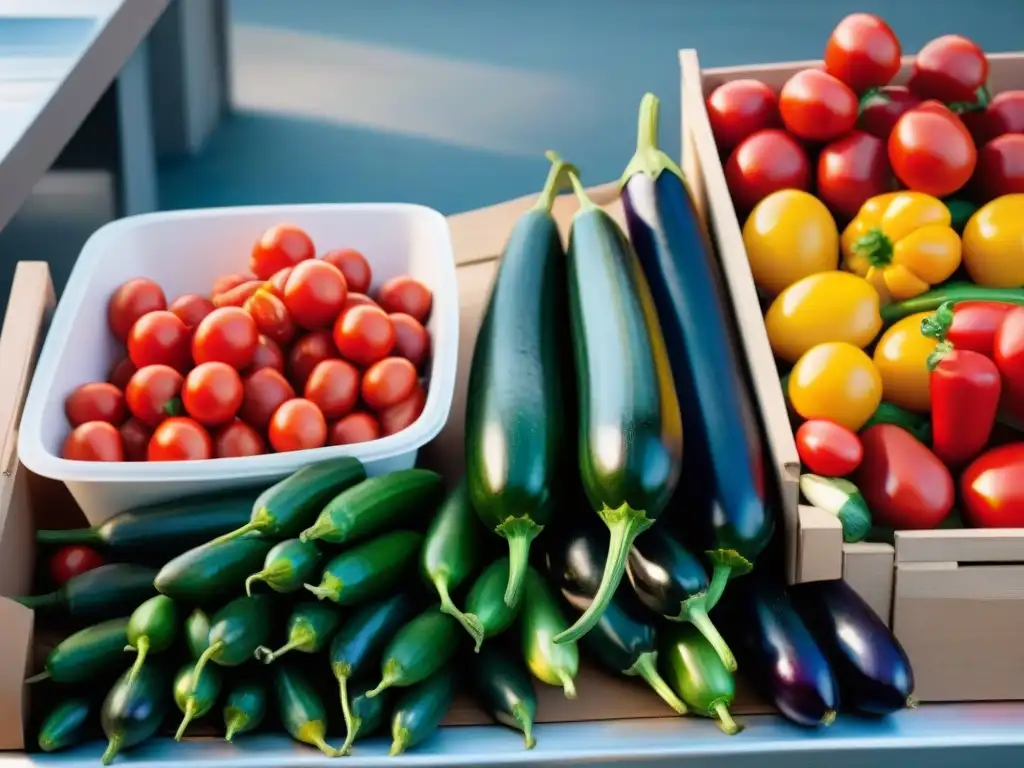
(197, 633)
(301, 709)
(369, 570)
(152, 628)
(87, 654)
(102, 593)
(289, 506)
(630, 432)
(696, 672)
(361, 638)
(366, 715)
(515, 409)
(418, 650)
(245, 707)
(169, 528)
(420, 709)
(134, 710)
(841, 498)
(541, 620)
(504, 688)
(195, 695)
(310, 627)
(287, 566)
(929, 301)
(486, 601)
(375, 505)
(72, 722)
(236, 631)
(213, 571)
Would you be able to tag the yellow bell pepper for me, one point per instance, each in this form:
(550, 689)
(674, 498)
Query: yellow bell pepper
(902, 243)
(994, 243)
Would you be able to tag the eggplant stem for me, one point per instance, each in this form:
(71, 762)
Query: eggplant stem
(142, 646)
(113, 747)
(586, 204)
(557, 177)
(525, 723)
(624, 524)
(695, 611)
(568, 684)
(649, 159)
(470, 622)
(520, 533)
(201, 663)
(716, 587)
(724, 718)
(646, 667)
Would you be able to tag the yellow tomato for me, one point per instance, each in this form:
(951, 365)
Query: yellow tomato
(835, 381)
(993, 243)
(901, 357)
(789, 235)
(828, 306)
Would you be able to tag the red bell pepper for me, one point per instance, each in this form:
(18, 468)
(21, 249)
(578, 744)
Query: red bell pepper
(975, 323)
(1008, 351)
(965, 388)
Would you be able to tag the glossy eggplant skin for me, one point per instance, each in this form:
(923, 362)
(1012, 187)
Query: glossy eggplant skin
(874, 673)
(663, 573)
(777, 652)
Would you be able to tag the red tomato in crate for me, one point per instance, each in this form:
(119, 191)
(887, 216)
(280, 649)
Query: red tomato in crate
(851, 170)
(357, 427)
(160, 338)
(764, 163)
(388, 382)
(863, 52)
(411, 339)
(238, 295)
(212, 393)
(226, 335)
(1004, 114)
(308, 352)
(827, 448)
(297, 425)
(154, 393)
(354, 266)
(333, 387)
(73, 560)
(263, 391)
(739, 109)
(815, 106)
(1008, 350)
(94, 441)
(1000, 168)
(364, 335)
(284, 245)
(949, 69)
(180, 439)
(97, 401)
(271, 316)
(135, 435)
(931, 151)
(122, 373)
(279, 281)
(403, 414)
(191, 308)
(267, 355)
(880, 111)
(356, 300)
(238, 439)
(405, 294)
(314, 294)
(975, 324)
(991, 488)
(131, 301)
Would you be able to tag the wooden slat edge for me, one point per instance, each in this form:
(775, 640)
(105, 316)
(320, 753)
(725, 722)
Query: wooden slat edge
(969, 545)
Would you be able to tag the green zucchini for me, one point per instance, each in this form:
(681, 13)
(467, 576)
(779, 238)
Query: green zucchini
(152, 628)
(213, 571)
(696, 672)
(102, 593)
(418, 650)
(542, 619)
(287, 507)
(361, 638)
(841, 498)
(486, 601)
(301, 709)
(375, 505)
(195, 695)
(369, 570)
(72, 722)
(451, 553)
(421, 708)
(310, 627)
(515, 409)
(197, 633)
(236, 631)
(133, 710)
(87, 654)
(366, 715)
(245, 707)
(504, 688)
(287, 566)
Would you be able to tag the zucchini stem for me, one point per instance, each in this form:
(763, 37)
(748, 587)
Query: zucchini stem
(524, 723)
(190, 712)
(400, 740)
(201, 663)
(470, 622)
(828, 718)
(314, 732)
(72, 536)
(646, 667)
(267, 656)
(260, 521)
(113, 747)
(236, 722)
(648, 158)
(520, 533)
(351, 724)
(695, 611)
(142, 646)
(38, 678)
(625, 524)
(557, 177)
(724, 718)
(265, 575)
(319, 527)
(388, 678)
(41, 602)
(330, 588)
(568, 684)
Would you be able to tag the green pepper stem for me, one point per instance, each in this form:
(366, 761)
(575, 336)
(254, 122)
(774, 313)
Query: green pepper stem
(556, 179)
(520, 533)
(86, 536)
(113, 747)
(646, 667)
(648, 159)
(525, 723)
(586, 204)
(568, 684)
(470, 622)
(330, 588)
(190, 712)
(724, 718)
(399, 742)
(696, 612)
(201, 663)
(142, 646)
(236, 722)
(875, 246)
(388, 678)
(267, 656)
(624, 524)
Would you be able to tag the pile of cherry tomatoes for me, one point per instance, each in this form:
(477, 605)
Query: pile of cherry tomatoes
(292, 355)
(847, 134)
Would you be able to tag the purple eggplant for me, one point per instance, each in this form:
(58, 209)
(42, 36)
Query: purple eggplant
(874, 673)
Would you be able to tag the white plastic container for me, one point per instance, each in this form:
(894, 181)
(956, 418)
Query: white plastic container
(184, 251)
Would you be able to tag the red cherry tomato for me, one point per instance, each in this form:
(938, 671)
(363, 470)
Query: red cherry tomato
(1000, 168)
(281, 246)
(851, 170)
(160, 338)
(357, 300)
(226, 335)
(263, 392)
(863, 52)
(993, 495)
(271, 315)
(388, 382)
(1008, 350)
(765, 163)
(364, 335)
(191, 308)
(225, 283)
(267, 355)
(180, 439)
(411, 339)
(296, 426)
(827, 448)
(238, 439)
(135, 435)
(238, 295)
(1004, 114)
(122, 373)
(354, 266)
(308, 352)
(403, 414)
(130, 302)
(815, 106)
(405, 294)
(880, 110)
(950, 69)
(315, 293)
(97, 401)
(74, 560)
(333, 387)
(357, 427)
(931, 151)
(278, 281)
(153, 394)
(212, 393)
(739, 109)
(94, 441)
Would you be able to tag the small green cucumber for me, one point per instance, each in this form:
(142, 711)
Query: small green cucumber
(106, 592)
(486, 601)
(245, 706)
(87, 654)
(696, 672)
(418, 650)
(287, 566)
(152, 628)
(195, 696)
(370, 570)
(421, 708)
(197, 633)
(504, 688)
(134, 710)
(213, 571)
(72, 722)
(841, 498)
(301, 709)
(310, 627)
(542, 619)
(236, 631)
(366, 714)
